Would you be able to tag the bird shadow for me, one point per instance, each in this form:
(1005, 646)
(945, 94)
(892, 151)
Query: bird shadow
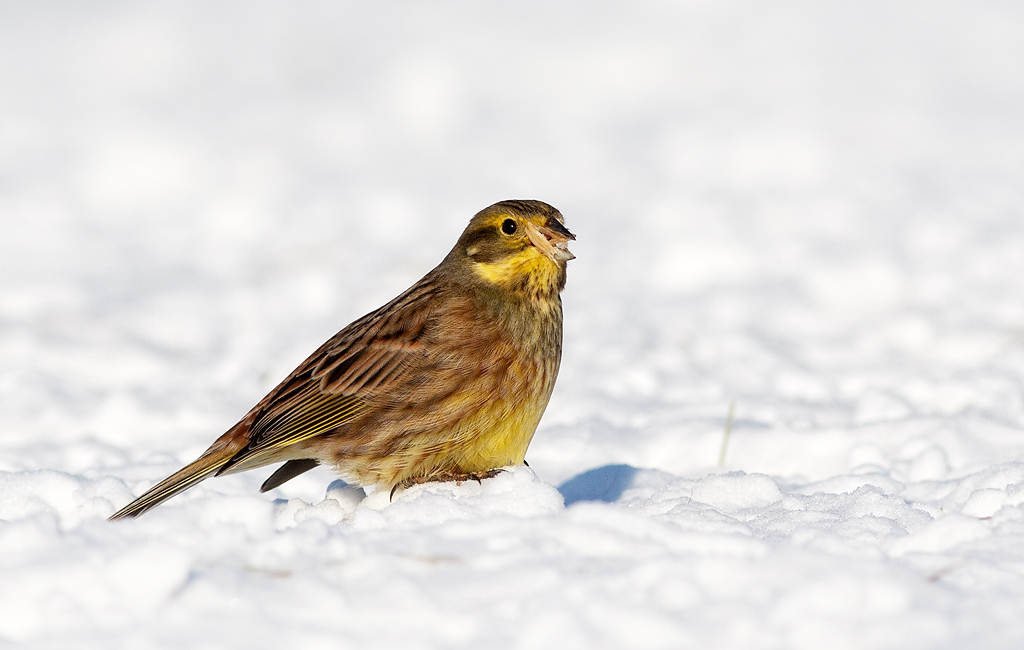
(605, 484)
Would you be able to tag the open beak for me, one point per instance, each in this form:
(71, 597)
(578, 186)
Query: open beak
(552, 239)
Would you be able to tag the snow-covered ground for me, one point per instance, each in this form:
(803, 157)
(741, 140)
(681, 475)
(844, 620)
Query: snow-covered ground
(811, 214)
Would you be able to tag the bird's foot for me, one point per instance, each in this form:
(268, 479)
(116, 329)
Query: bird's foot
(445, 477)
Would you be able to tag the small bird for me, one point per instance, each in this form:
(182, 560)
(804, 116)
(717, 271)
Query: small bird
(447, 382)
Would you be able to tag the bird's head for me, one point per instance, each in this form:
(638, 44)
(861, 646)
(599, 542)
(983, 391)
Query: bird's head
(517, 245)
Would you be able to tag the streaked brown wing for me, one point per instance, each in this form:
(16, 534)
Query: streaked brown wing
(309, 413)
(333, 385)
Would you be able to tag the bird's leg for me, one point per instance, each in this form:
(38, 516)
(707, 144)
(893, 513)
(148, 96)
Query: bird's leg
(445, 477)
(478, 476)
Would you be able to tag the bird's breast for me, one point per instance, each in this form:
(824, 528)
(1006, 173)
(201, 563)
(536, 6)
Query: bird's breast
(499, 433)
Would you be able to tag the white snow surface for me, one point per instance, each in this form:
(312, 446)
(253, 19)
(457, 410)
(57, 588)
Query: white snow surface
(808, 213)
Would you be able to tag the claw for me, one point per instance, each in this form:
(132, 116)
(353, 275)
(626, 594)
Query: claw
(445, 477)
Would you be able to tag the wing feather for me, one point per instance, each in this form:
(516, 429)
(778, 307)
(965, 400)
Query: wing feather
(336, 384)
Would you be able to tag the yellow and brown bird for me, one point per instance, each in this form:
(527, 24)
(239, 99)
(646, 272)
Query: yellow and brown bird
(448, 381)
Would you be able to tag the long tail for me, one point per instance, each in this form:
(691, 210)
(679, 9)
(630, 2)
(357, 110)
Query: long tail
(203, 467)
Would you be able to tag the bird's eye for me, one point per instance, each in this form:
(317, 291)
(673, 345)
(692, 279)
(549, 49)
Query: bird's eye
(508, 226)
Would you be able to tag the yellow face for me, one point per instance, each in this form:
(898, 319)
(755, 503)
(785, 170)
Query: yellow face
(518, 245)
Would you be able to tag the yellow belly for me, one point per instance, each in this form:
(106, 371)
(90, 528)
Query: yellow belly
(501, 436)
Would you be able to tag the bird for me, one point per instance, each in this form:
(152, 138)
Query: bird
(447, 382)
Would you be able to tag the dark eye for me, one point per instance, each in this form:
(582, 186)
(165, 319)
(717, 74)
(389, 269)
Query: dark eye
(508, 226)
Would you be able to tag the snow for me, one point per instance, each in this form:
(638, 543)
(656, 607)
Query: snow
(806, 214)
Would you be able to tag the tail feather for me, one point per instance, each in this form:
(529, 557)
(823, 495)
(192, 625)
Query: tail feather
(287, 472)
(202, 468)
